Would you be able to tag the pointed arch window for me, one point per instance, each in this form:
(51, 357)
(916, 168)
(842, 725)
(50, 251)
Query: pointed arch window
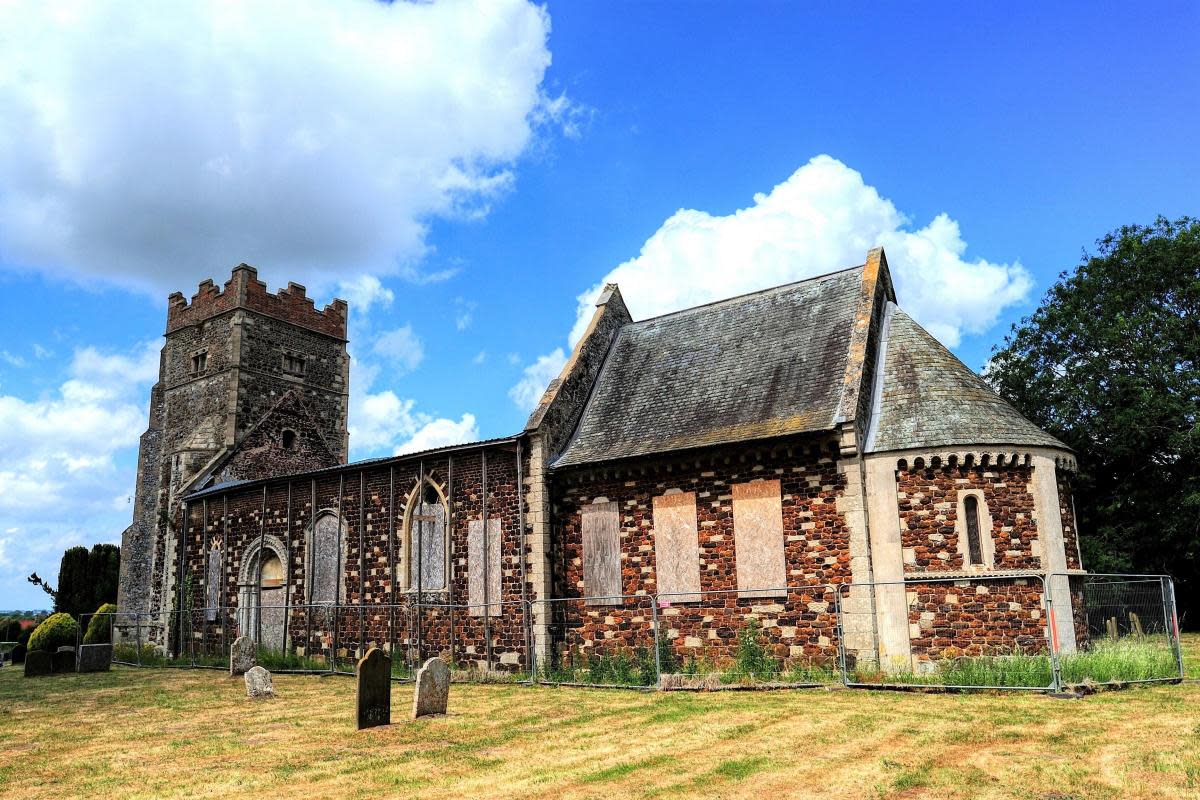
(974, 544)
(426, 541)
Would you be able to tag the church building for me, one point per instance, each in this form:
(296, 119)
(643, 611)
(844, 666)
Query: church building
(806, 457)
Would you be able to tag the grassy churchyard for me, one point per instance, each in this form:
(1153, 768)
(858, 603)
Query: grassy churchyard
(156, 733)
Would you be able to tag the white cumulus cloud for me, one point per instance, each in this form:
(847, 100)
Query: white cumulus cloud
(59, 472)
(401, 347)
(822, 218)
(152, 144)
(441, 432)
(536, 377)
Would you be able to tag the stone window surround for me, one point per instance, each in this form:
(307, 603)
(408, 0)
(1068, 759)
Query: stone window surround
(199, 361)
(249, 575)
(309, 555)
(686, 595)
(987, 535)
(405, 535)
(600, 505)
(287, 357)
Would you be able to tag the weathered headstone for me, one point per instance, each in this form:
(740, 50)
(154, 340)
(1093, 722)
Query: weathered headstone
(64, 659)
(374, 694)
(258, 683)
(242, 655)
(95, 657)
(38, 662)
(432, 690)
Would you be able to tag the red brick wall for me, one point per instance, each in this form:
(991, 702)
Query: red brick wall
(816, 550)
(976, 618)
(928, 500)
(372, 589)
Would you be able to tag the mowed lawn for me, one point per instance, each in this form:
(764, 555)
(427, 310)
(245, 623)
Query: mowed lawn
(160, 733)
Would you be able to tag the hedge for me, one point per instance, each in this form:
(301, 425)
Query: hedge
(99, 629)
(58, 630)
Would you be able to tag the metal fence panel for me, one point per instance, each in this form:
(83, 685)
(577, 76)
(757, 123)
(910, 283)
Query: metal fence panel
(1126, 631)
(597, 641)
(978, 632)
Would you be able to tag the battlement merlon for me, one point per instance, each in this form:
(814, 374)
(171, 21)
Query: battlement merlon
(245, 290)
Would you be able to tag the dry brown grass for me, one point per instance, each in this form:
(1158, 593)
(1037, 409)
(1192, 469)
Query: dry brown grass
(156, 733)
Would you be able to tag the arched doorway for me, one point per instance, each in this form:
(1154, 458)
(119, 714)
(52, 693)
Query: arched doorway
(262, 600)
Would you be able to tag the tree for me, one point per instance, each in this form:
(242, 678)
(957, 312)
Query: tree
(74, 588)
(104, 565)
(87, 580)
(1110, 364)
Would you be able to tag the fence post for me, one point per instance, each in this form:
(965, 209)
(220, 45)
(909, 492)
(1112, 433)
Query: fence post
(1173, 622)
(657, 657)
(137, 621)
(841, 633)
(1048, 609)
(530, 645)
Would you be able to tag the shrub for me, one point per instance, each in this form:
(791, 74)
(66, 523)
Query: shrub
(18, 654)
(752, 659)
(99, 629)
(58, 630)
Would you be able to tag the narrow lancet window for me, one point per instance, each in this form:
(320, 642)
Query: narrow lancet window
(974, 546)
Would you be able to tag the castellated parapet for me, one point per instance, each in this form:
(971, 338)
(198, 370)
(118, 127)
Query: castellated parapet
(245, 290)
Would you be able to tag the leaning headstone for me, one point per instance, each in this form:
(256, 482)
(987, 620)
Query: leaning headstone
(258, 683)
(38, 662)
(64, 659)
(374, 694)
(242, 655)
(95, 657)
(432, 690)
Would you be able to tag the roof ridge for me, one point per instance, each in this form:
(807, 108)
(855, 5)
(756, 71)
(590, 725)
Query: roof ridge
(743, 296)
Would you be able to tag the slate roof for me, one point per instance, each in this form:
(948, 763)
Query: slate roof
(761, 365)
(931, 399)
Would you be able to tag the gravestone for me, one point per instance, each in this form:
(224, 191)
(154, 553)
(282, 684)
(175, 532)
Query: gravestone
(258, 683)
(374, 693)
(38, 662)
(64, 659)
(242, 655)
(95, 657)
(432, 690)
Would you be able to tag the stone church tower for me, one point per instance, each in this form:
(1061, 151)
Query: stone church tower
(250, 384)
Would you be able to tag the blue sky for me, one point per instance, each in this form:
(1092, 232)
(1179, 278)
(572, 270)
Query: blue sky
(465, 175)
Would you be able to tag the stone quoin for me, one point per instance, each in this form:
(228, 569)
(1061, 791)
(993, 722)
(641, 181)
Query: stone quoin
(770, 458)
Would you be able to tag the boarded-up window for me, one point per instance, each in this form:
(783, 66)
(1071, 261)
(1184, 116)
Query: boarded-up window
(325, 559)
(212, 579)
(483, 573)
(601, 552)
(427, 547)
(758, 538)
(676, 547)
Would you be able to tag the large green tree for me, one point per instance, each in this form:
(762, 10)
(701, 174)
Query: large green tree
(74, 586)
(87, 580)
(1110, 363)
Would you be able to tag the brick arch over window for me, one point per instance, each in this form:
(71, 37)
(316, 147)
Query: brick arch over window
(425, 539)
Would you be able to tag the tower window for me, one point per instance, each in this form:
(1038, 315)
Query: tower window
(199, 362)
(288, 439)
(294, 365)
(974, 546)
